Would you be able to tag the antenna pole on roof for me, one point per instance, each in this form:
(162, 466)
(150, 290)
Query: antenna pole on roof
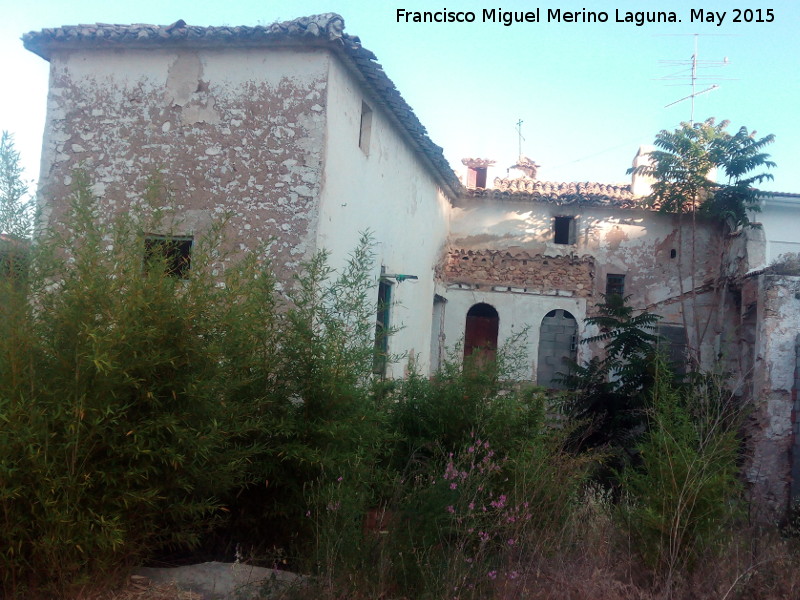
(695, 63)
(520, 139)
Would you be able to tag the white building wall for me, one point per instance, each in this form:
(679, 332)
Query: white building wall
(389, 192)
(636, 243)
(518, 313)
(779, 218)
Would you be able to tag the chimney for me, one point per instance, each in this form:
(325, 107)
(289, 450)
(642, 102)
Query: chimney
(641, 185)
(525, 168)
(477, 169)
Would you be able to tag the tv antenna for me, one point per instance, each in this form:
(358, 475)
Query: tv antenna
(694, 64)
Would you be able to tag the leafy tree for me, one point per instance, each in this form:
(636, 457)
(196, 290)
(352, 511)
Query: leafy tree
(683, 167)
(15, 207)
(609, 393)
(688, 157)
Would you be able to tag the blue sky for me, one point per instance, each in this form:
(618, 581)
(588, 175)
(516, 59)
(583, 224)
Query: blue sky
(588, 93)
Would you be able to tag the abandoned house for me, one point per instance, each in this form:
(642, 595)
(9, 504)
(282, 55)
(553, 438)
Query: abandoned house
(296, 129)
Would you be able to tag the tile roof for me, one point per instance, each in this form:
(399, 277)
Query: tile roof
(325, 29)
(591, 193)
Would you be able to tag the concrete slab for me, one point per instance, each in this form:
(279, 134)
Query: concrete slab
(224, 581)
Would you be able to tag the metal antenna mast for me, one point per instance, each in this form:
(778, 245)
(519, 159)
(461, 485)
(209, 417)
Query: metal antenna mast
(695, 64)
(520, 139)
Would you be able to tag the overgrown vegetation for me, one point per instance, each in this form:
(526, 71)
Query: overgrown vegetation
(16, 207)
(148, 410)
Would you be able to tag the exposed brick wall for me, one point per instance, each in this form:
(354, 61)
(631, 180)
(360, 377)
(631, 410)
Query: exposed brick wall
(533, 272)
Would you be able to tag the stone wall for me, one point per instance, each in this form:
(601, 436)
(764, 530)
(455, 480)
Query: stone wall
(233, 131)
(532, 273)
(769, 430)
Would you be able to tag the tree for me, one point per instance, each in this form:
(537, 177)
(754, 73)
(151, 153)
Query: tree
(683, 167)
(610, 392)
(16, 208)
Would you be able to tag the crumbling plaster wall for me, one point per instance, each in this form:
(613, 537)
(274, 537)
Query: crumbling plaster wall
(507, 246)
(769, 428)
(388, 191)
(236, 130)
(637, 243)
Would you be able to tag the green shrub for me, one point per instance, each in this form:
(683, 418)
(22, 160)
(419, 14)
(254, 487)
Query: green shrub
(119, 396)
(683, 498)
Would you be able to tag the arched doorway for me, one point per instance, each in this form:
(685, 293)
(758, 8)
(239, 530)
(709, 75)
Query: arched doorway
(558, 344)
(480, 334)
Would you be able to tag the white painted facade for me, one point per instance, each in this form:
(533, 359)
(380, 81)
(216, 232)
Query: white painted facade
(779, 218)
(386, 190)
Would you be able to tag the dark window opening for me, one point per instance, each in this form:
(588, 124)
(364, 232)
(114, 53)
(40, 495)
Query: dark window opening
(673, 253)
(480, 336)
(564, 229)
(173, 254)
(365, 128)
(13, 265)
(615, 285)
(476, 177)
(672, 344)
(382, 328)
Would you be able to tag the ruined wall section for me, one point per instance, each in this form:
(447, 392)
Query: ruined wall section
(231, 129)
(769, 427)
(652, 250)
(521, 271)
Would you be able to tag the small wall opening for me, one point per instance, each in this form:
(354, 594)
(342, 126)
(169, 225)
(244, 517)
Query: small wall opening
(382, 326)
(615, 285)
(564, 230)
(480, 336)
(173, 254)
(365, 128)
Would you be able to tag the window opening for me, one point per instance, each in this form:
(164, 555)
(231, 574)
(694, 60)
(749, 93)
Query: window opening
(365, 128)
(615, 285)
(564, 230)
(382, 328)
(174, 253)
(672, 343)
